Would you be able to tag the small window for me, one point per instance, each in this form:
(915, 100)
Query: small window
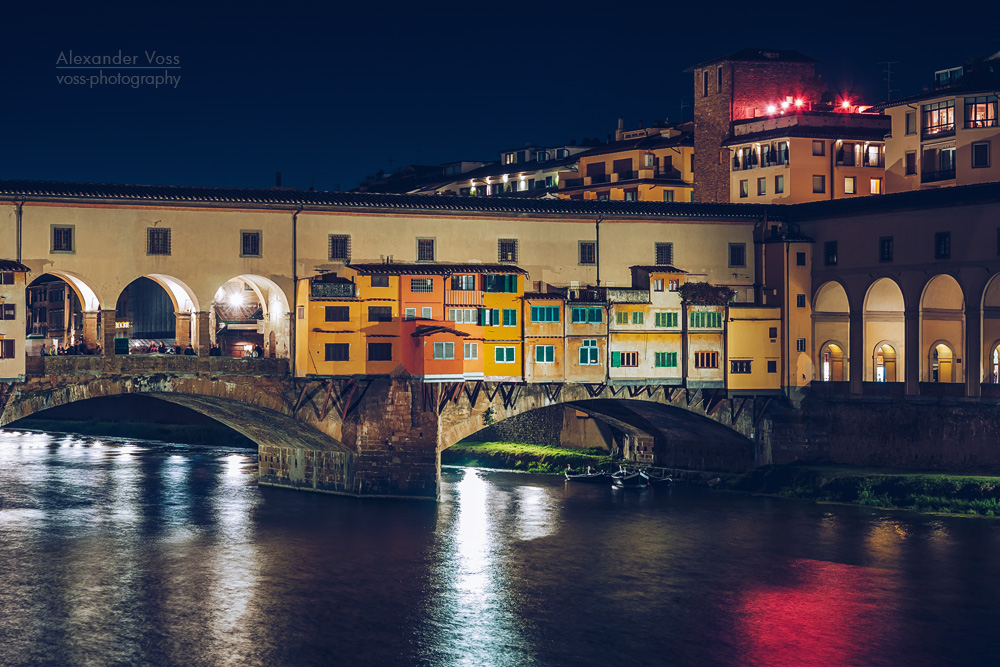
(338, 314)
(249, 244)
(421, 284)
(942, 245)
(876, 186)
(762, 186)
(667, 319)
(470, 350)
(664, 254)
(463, 283)
(380, 281)
(674, 285)
(7, 278)
(668, 195)
(980, 155)
(340, 247)
(444, 350)
(819, 183)
(911, 122)
(779, 184)
(338, 352)
(718, 80)
(8, 311)
(621, 317)
(380, 313)
(850, 185)
(885, 249)
(503, 354)
(800, 259)
(706, 359)
(737, 254)
(410, 314)
(744, 189)
(819, 148)
(910, 163)
(830, 253)
(739, 366)
(62, 239)
(637, 317)
(800, 344)
(658, 285)
(588, 252)
(665, 360)
(510, 317)
(704, 83)
(7, 349)
(589, 352)
(425, 250)
(772, 366)
(543, 314)
(800, 300)
(158, 241)
(630, 359)
(379, 351)
(427, 313)
(545, 354)
(507, 250)
(772, 332)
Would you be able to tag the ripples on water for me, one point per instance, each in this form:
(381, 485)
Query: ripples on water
(127, 552)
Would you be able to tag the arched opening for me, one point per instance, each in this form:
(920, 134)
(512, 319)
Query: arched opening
(832, 322)
(831, 363)
(994, 364)
(250, 318)
(941, 363)
(942, 319)
(153, 314)
(62, 316)
(884, 331)
(991, 330)
(885, 363)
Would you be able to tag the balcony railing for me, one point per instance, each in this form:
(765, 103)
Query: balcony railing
(939, 175)
(463, 297)
(627, 175)
(938, 131)
(599, 178)
(572, 182)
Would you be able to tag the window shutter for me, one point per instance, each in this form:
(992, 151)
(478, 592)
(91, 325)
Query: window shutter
(539, 353)
(498, 354)
(495, 317)
(616, 359)
(593, 355)
(510, 354)
(584, 356)
(8, 349)
(550, 352)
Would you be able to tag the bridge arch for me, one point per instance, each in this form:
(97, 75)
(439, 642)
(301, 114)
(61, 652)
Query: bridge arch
(991, 331)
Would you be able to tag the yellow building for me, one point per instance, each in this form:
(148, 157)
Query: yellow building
(502, 299)
(13, 319)
(329, 337)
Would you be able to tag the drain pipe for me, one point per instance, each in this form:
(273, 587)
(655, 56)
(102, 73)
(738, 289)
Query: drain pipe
(18, 214)
(295, 286)
(597, 249)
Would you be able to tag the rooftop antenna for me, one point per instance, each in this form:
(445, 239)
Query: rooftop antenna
(887, 71)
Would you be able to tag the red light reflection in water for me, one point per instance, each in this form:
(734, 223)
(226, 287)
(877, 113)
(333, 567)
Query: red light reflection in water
(830, 614)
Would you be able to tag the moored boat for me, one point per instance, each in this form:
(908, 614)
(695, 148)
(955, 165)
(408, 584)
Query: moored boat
(588, 476)
(630, 480)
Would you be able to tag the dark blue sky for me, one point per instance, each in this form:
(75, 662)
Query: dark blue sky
(328, 93)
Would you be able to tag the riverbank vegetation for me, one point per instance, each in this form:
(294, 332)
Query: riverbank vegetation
(519, 456)
(921, 491)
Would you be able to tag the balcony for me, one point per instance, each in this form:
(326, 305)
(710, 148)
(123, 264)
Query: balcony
(463, 297)
(937, 132)
(599, 178)
(626, 175)
(939, 175)
(775, 161)
(571, 182)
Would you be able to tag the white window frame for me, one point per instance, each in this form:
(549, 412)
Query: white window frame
(410, 314)
(444, 350)
(470, 350)
(498, 349)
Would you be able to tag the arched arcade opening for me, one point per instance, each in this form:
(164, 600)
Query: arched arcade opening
(62, 316)
(942, 329)
(250, 318)
(884, 333)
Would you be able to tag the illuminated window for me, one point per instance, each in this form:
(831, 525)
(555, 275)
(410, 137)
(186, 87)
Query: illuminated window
(668, 195)
(938, 118)
(762, 186)
(744, 189)
(8, 311)
(876, 186)
(819, 148)
(779, 184)
(819, 183)
(981, 111)
(850, 185)
(800, 344)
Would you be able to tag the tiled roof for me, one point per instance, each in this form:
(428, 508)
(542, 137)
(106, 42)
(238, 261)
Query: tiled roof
(541, 296)
(11, 265)
(646, 143)
(430, 330)
(811, 132)
(288, 198)
(658, 268)
(432, 269)
(982, 193)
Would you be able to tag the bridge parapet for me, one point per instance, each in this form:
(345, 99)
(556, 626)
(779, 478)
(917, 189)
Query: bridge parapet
(153, 363)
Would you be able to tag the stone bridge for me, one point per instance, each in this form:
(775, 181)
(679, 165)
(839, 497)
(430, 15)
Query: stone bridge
(382, 436)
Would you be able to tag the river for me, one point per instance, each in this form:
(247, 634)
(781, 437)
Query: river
(123, 552)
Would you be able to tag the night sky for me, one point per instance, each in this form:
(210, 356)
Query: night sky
(329, 93)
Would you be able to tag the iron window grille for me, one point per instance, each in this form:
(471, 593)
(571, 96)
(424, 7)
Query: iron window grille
(664, 254)
(507, 250)
(62, 239)
(158, 241)
(340, 248)
(250, 244)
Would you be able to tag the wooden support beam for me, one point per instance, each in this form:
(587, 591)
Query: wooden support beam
(689, 397)
(717, 400)
(302, 396)
(652, 389)
(326, 401)
(616, 390)
(345, 405)
(595, 389)
(634, 391)
(743, 404)
(762, 410)
(495, 391)
(474, 396)
(552, 390)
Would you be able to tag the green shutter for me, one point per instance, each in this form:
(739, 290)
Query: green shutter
(593, 355)
(584, 356)
(616, 359)
(539, 353)
(550, 353)
(495, 317)
(510, 354)
(594, 315)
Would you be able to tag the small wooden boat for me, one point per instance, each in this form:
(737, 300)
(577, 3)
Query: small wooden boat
(630, 480)
(658, 477)
(587, 476)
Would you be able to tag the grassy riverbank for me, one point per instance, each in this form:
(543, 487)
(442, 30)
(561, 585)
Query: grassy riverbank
(191, 434)
(518, 456)
(924, 492)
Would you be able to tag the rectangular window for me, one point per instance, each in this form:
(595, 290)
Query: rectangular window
(340, 247)
(380, 281)
(630, 359)
(157, 240)
(704, 83)
(470, 350)
(426, 313)
(718, 80)
(507, 250)
(410, 314)
(800, 344)
(737, 254)
(466, 315)
(425, 250)
(665, 360)
(875, 186)
(739, 366)
(667, 319)
(772, 332)
(980, 154)
(6, 349)
(62, 239)
(500, 283)
(463, 283)
(664, 254)
(800, 259)
(819, 148)
(819, 183)
(658, 285)
(762, 186)
(249, 244)
(910, 163)
(637, 317)
(8, 311)
(885, 249)
(938, 118)
(545, 313)
(338, 352)
(588, 352)
(503, 354)
(421, 284)
(800, 300)
(380, 313)
(379, 351)
(830, 253)
(444, 350)
(942, 245)
(981, 111)
(744, 189)
(338, 314)
(587, 315)
(621, 317)
(772, 366)
(668, 195)
(911, 122)
(509, 317)
(673, 285)
(706, 359)
(850, 185)
(588, 252)
(545, 354)
(701, 319)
